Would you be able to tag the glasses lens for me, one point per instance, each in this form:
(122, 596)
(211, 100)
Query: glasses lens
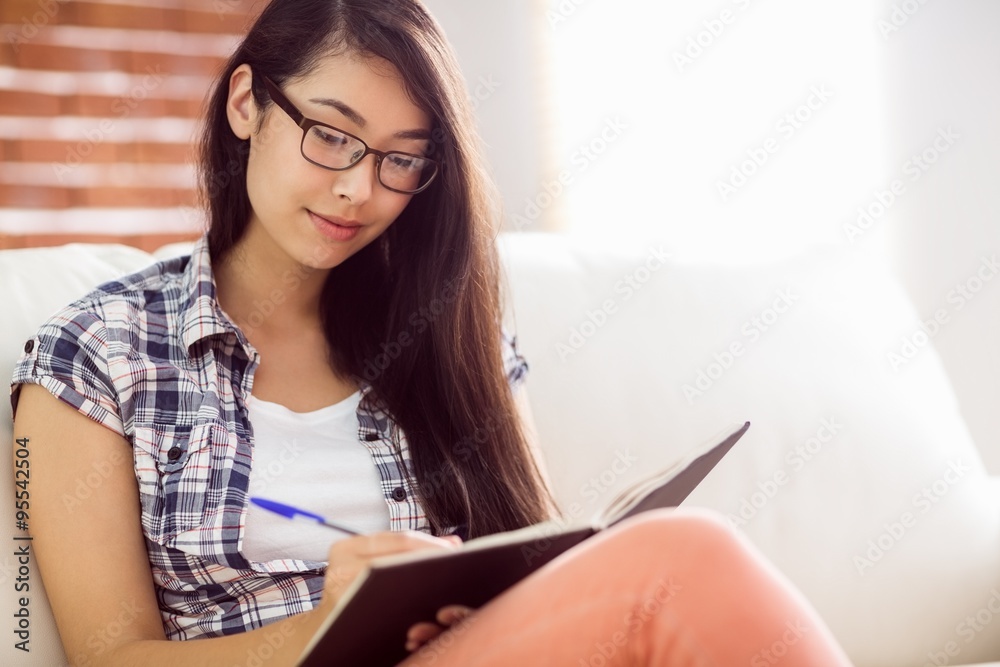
(331, 148)
(407, 173)
(334, 149)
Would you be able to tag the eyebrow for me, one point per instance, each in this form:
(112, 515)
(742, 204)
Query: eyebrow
(360, 121)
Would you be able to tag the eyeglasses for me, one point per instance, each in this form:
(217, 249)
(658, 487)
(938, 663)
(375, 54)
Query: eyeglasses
(331, 148)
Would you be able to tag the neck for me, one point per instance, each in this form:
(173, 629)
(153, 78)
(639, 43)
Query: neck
(263, 290)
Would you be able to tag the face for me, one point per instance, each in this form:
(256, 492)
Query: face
(303, 212)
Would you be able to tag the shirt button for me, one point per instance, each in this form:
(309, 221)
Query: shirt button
(29, 346)
(173, 453)
(399, 494)
(371, 437)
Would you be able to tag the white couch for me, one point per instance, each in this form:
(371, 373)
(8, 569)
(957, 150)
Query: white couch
(857, 477)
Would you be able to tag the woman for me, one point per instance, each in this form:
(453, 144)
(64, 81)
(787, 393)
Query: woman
(341, 319)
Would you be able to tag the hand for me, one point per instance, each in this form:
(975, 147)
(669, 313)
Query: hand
(349, 556)
(423, 633)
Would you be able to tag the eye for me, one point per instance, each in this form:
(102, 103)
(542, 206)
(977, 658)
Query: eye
(404, 162)
(329, 136)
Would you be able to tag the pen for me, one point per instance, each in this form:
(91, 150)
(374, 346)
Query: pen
(291, 512)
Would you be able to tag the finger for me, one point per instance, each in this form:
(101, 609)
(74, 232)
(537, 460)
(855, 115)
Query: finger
(348, 557)
(423, 631)
(412, 645)
(420, 634)
(386, 543)
(452, 614)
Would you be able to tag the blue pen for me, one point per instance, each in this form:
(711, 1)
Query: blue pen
(291, 512)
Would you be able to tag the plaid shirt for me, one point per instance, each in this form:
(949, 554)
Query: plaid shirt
(152, 357)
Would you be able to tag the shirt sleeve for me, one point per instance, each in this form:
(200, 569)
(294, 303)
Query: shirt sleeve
(514, 364)
(68, 356)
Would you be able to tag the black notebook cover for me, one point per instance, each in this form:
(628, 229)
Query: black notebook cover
(371, 628)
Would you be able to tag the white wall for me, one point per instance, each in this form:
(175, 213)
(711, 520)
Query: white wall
(942, 69)
(498, 44)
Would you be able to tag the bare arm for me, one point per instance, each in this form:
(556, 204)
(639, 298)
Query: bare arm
(90, 551)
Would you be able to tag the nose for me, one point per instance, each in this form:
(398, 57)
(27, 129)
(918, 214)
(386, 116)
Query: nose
(356, 184)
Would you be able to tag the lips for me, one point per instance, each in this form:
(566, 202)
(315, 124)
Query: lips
(337, 220)
(335, 227)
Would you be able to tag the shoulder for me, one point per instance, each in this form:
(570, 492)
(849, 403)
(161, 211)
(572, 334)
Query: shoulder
(159, 288)
(117, 304)
(124, 310)
(81, 352)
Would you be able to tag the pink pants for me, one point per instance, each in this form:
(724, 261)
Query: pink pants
(668, 587)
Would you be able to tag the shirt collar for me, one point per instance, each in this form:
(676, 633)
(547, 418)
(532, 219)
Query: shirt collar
(202, 317)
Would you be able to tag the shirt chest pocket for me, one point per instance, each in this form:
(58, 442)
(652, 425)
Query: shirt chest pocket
(173, 465)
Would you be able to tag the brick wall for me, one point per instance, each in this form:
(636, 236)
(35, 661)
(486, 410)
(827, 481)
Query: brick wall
(100, 103)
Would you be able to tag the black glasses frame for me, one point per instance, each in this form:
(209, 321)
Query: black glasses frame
(308, 123)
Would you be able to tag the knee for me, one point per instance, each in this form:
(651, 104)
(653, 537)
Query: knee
(697, 529)
(664, 551)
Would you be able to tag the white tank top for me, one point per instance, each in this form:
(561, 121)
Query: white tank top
(313, 461)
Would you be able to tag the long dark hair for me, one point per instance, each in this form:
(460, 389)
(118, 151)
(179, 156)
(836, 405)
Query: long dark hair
(423, 301)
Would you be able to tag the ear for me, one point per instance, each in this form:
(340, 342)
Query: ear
(240, 107)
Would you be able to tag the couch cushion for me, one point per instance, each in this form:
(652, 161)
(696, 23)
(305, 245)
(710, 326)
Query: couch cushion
(857, 477)
(37, 282)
